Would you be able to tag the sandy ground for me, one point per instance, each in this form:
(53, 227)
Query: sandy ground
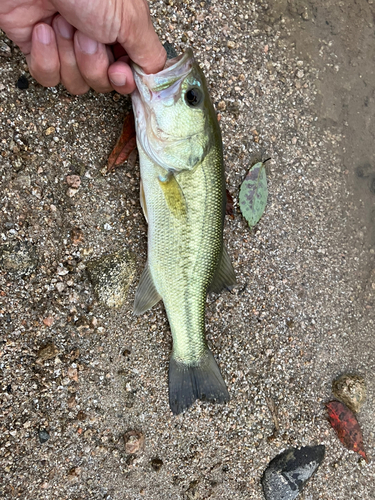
(294, 81)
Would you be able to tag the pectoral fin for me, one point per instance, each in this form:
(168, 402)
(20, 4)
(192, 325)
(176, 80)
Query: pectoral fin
(224, 276)
(173, 195)
(142, 199)
(146, 295)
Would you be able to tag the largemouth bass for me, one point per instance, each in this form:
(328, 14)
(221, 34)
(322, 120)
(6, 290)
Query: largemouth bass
(183, 198)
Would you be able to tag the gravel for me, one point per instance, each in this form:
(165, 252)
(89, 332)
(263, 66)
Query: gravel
(291, 81)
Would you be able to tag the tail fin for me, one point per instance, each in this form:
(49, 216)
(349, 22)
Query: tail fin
(202, 381)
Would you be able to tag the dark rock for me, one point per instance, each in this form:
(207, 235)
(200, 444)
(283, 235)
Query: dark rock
(288, 472)
(43, 436)
(364, 171)
(18, 259)
(5, 50)
(156, 464)
(81, 415)
(22, 82)
(170, 50)
(130, 459)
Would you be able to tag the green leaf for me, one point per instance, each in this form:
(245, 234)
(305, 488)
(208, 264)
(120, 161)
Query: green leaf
(253, 194)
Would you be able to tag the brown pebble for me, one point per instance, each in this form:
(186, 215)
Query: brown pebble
(72, 402)
(50, 130)
(47, 352)
(351, 390)
(76, 235)
(134, 441)
(73, 373)
(81, 415)
(48, 321)
(73, 181)
(71, 192)
(74, 474)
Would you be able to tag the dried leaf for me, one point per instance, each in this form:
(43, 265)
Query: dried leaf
(253, 194)
(346, 426)
(125, 145)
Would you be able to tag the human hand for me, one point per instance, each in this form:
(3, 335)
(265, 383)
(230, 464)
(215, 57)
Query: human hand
(70, 41)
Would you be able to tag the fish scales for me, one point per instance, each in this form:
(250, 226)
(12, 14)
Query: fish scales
(183, 252)
(183, 196)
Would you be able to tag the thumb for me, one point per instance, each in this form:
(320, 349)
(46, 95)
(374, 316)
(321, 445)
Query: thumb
(139, 39)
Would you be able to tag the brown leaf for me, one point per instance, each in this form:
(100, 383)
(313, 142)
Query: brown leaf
(346, 426)
(125, 144)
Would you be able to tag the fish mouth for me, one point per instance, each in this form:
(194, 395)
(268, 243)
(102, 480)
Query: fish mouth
(175, 69)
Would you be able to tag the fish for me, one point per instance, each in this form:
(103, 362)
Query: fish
(183, 197)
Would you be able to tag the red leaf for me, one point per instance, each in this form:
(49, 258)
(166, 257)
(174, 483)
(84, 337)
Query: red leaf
(346, 426)
(125, 145)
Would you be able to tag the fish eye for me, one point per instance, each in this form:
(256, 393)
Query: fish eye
(193, 97)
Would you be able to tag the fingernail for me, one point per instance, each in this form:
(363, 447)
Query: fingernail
(64, 28)
(43, 34)
(118, 79)
(87, 45)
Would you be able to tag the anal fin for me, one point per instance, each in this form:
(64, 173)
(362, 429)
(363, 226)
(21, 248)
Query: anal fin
(146, 295)
(224, 276)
